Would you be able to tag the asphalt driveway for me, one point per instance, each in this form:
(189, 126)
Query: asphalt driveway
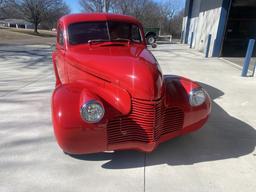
(220, 157)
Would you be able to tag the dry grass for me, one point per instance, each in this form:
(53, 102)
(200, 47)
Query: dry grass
(26, 36)
(41, 33)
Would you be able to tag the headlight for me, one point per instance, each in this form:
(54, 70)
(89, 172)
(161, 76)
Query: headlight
(197, 97)
(92, 111)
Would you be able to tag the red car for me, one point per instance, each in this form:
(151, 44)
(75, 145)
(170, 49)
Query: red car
(110, 92)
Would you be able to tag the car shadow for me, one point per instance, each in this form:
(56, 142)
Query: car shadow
(223, 137)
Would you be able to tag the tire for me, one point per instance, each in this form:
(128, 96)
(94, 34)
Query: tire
(151, 39)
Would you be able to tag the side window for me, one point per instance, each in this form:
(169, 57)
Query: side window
(60, 37)
(136, 34)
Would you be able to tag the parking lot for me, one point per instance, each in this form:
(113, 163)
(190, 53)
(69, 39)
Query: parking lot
(220, 157)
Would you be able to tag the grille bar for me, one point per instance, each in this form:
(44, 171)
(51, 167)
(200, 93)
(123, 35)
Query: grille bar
(147, 122)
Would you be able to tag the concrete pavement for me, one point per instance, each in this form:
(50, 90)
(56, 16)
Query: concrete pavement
(240, 61)
(220, 157)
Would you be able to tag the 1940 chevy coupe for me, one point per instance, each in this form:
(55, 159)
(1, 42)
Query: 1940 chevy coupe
(110, 92)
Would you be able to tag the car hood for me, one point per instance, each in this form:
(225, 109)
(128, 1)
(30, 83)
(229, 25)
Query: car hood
(133, 68)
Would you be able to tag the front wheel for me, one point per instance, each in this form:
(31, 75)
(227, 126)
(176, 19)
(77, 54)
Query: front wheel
(151, 39)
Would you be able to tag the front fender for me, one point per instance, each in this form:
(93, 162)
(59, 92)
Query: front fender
(72, 133)
(177, 94)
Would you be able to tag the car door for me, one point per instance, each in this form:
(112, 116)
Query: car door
(60, 54)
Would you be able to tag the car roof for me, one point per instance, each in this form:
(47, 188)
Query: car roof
(87, 17)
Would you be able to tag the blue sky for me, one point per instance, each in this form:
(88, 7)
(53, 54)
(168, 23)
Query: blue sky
(75, 7)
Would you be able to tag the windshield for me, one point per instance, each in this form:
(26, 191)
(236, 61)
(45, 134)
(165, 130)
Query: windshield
(80, 33)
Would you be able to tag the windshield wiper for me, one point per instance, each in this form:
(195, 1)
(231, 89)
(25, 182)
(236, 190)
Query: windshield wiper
(121, 39)
(97, 41)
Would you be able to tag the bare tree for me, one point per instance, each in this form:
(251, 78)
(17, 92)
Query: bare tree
(176, 24)
(147, 11)
(35, 11)
(168, 9)
(3, 3)
(96, 5)
(151, 13)
(9, 9)
(57, 10)
(123, 7)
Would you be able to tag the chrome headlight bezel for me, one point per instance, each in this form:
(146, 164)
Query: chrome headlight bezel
(197, 97)
(84, 111)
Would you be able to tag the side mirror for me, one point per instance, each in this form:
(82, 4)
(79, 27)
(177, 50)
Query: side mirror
(154, 45)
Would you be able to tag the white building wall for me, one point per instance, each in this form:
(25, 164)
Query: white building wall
(203, 22)
(194, 22)
(208, 23)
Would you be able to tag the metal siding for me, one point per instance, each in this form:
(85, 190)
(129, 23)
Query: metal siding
(193, 28)
(204, 17)
(189, 4)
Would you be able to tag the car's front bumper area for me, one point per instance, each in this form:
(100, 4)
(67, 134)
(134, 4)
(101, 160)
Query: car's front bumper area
(151, 123)
(150, 146)
(129, 132)
(148, 124)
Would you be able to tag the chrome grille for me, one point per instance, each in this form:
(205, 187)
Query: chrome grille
(147, 122)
